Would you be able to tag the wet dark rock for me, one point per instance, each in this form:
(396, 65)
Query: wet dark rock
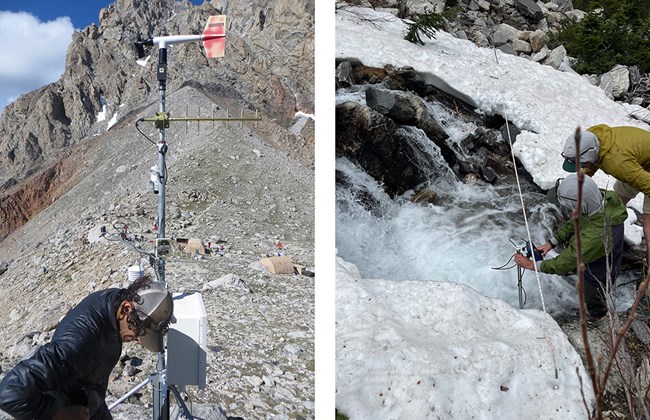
(360, 192)
(488, 174)
(378, 137)
(425, 196)
(407, 109)
(373, 141)
(510, 132)
(344, 76)
(372, 75)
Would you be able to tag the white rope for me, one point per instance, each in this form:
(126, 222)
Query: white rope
(530, 242)
(523, 209)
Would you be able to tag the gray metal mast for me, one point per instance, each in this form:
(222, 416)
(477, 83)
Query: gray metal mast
(213, 38)
(161, 393)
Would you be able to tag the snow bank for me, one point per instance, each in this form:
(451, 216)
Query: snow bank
(416, 349)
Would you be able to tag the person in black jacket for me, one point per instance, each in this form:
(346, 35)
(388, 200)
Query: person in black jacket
(67, 378)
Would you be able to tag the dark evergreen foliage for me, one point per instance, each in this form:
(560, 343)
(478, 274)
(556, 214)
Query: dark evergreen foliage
(426, 24)
(613, 32)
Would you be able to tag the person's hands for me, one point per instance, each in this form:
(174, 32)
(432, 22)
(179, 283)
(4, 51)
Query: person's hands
(545, 248)
(74, 412)
(524, 262)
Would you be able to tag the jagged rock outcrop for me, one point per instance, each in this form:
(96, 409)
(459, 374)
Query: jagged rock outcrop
(373, 140)
(268, 67)
(382, 135)
(405, 108)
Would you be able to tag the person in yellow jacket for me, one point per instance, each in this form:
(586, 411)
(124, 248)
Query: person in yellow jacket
(624, 153)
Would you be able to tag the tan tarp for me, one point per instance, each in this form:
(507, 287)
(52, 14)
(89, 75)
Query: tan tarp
(194, 245)
(278, 265)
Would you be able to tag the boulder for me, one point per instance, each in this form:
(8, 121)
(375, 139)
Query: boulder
(375, 142)
(344, 76)
(616, 82)
(521, 47)
(425, 196)
(423, 6)
(540, 55)
(507, 49)
(556, 57)
(529, 9)
(503, 34)
(538, 40)
(575, 15)
(404, 108)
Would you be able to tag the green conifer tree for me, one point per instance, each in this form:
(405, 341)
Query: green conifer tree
(613, 32)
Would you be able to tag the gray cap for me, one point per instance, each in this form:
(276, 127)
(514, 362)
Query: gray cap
(158, 307)
(589, 146)
(567, 194)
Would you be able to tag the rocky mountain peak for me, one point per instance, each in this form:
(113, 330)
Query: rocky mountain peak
(268, 68)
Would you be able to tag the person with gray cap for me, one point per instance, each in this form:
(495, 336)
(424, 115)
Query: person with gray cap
(594, 228)
(67, 378)
(622, 152)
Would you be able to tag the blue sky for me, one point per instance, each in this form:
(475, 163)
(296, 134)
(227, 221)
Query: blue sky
(81, 13)
(24, 25)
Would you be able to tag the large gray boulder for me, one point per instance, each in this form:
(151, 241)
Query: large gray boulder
(376, 143)
(556, 57)
(529, 9)
(504, 33)
(616, 82)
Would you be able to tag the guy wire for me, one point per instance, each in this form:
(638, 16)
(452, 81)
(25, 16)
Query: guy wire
(523, 208)
(530, 241)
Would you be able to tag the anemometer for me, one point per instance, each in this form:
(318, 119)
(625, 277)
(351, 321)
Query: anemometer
(214, 42)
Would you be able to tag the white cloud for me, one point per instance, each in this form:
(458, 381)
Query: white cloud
(32, 52)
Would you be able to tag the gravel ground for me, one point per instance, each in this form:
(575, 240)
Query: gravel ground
(227, 186)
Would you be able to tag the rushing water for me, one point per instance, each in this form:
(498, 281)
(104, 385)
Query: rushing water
(461, 238)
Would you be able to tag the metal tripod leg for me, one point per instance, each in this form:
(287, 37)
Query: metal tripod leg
(131, 392)
(181, 403)
(520, 286)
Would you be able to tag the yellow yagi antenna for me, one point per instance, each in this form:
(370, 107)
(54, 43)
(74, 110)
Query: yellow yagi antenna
(162, 120)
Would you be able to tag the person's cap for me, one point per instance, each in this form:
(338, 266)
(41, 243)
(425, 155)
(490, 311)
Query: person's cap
(157, 307)
(567, 194)
(588, 150)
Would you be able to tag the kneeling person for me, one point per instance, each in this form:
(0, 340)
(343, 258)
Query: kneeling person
(594, 228)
